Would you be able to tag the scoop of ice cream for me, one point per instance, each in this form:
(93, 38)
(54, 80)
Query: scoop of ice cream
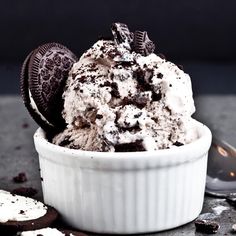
(118, 99)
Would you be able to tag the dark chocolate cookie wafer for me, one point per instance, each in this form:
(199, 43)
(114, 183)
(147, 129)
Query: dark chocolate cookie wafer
(43, 77)
(121, 33)
(21, 209)
(142, 43)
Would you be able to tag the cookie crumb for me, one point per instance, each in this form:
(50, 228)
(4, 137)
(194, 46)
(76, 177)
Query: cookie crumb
(20, 178)
(25, 125)
(206, 226)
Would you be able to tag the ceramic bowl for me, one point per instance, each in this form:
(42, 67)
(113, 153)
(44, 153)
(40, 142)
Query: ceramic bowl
(125, 193)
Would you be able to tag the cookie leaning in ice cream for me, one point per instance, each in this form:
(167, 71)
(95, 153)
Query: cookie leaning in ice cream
(18, 213)
(120, 96)
(43, 76)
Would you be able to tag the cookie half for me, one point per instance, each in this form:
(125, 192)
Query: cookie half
(18, 213)
(43, 76)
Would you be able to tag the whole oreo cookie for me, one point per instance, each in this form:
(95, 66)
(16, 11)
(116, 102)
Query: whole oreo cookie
(142, 44)
(19, 213)
(27, 98)
(43, 77)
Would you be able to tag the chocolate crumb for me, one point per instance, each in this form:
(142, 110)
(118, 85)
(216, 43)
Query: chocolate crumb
(99, 116)
(140, 101)
(125, 63)
(105, 84)
(65, 142)
(25, 125)
(126, 101)
(134, 128)
(25, 191)
(20, 178)
(82, 79)
(130, 147)
(178, 144)
(156, 96)
(115, 92)
(138, 115)
(206, 226)
(102, 48)
(21, 212)
(159, 75)
(141, 76)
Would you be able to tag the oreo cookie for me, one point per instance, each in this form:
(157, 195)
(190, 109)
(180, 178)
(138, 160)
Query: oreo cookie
(19, 213)
(142, 44)
(43, 76)
(27, 98)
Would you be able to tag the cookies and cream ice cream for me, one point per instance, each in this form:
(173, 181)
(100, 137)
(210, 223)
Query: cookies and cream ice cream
(120, 96)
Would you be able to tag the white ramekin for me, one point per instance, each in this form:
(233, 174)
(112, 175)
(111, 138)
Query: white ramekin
(124, 193)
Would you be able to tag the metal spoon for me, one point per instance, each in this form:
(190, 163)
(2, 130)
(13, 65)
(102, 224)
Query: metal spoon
(221, 171)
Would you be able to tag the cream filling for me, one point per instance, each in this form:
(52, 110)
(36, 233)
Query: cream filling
(34, 106)
(19, 208)
(43, 232)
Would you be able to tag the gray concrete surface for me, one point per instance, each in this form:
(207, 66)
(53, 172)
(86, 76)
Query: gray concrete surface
(17, 153)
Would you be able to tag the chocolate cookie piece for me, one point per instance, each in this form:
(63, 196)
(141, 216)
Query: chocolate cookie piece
(43, 77)
(136, 146)
(28, 214)
(206, 226)
(121, 33)
(142, 44)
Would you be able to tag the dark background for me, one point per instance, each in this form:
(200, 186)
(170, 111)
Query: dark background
(201, 34)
